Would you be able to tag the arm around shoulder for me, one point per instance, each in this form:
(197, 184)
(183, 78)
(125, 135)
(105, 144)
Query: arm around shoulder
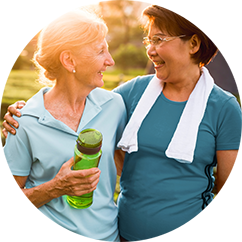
(9, 122)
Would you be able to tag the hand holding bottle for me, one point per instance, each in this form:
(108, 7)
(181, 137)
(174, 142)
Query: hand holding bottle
(76, 182)
(87, 154)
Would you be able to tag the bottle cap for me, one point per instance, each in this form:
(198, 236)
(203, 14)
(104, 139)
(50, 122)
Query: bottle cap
(89, 141)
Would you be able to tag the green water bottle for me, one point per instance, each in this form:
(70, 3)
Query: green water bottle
(87, 153)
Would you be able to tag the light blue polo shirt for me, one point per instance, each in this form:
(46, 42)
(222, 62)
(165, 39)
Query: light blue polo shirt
(42, 144)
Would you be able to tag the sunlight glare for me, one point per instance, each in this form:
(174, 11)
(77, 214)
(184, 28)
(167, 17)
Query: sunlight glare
(89, 2)
(54, 4)
(58, 5)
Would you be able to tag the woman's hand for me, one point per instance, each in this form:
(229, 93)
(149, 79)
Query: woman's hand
(9, 120)
(75, 183)
(66, 182)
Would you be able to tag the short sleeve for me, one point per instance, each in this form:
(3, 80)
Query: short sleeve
(122, 118)
(229, 126)
(17, 153)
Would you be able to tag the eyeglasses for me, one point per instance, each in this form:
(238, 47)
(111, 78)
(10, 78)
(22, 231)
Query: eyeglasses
(157, 40)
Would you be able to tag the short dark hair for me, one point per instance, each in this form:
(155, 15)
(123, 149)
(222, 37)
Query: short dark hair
(175, 25)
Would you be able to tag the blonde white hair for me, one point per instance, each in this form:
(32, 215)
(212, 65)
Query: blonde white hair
(71, 31)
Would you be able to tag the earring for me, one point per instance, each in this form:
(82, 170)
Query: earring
(74, 71)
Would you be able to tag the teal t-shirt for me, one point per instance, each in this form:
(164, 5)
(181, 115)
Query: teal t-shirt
(42, 144)
(159, 194)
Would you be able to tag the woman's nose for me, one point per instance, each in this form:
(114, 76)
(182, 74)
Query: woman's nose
(151, 51)
(109, 60)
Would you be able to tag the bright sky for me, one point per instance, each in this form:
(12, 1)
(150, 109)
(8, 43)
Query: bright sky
(57, 5)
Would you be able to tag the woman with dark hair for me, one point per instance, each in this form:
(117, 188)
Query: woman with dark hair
(181, 125)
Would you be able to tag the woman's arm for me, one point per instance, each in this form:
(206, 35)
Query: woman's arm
(119, 161)
(66, 182)
(9, 120)
(229, 187)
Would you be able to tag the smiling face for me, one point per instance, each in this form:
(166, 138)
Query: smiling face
(91, 62)
(172, 59)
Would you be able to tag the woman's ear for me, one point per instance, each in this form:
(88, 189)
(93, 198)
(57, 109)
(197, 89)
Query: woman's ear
(67, 60)
(195, 44)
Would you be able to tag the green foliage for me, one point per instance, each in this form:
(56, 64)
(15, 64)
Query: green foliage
(118, 76)
(130, 73)
(9, 226)
(238, 99)
(21, 85)
(122, 18)
(129, 56)
(117, 189)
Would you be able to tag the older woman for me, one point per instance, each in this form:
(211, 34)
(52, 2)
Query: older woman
(167, 177)
(72, 51)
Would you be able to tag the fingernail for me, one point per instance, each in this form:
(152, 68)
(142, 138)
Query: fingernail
(15, 125)
(18, 114)
(13, 131)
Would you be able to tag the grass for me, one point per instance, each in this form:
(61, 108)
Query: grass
(22, 84)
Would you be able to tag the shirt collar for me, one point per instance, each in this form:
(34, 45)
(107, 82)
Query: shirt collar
(94, 102)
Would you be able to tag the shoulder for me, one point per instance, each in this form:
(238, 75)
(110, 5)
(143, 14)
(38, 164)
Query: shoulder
(134, 88)
(225, 107)
(220, 98)
(32, 111)
(102, 96)
(137, 82)
(110, 103)
(219, 93)
(35, 105)
(106, 100)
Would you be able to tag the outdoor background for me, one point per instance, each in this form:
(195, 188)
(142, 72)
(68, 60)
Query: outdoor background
(22, 20)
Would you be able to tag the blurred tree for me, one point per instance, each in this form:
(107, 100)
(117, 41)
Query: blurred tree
(130, 56)
(122, 17)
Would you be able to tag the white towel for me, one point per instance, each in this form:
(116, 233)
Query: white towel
(129, 140)
(183, 142)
